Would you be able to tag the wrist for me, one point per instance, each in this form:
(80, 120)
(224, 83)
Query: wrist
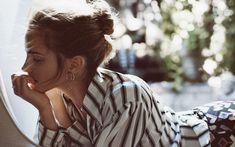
(45, 106)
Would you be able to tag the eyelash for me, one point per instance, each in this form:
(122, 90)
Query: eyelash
(37, 59)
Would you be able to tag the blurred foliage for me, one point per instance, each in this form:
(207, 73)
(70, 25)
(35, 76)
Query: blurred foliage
(172, 61)
(229, 23)
(195, 35)
(197, 40)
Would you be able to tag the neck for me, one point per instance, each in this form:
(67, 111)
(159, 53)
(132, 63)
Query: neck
(76, 91)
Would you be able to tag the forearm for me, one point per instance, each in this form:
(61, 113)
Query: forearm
(47, 118)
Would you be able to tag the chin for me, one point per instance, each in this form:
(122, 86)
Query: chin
(41, 89)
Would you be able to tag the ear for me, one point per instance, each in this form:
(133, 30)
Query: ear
(76, 64)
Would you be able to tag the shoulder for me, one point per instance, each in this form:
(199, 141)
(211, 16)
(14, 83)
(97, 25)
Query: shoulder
(126, 89)
(120, 78)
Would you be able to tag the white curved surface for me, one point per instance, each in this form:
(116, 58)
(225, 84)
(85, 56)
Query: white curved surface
(10, 134)
(13, 20)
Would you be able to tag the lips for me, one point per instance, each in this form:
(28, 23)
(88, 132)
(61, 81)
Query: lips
(32, 79)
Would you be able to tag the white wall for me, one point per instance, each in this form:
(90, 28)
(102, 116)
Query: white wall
(13, 15)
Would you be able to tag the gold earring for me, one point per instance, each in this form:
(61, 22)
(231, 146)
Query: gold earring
(70, 76)
(73, 77)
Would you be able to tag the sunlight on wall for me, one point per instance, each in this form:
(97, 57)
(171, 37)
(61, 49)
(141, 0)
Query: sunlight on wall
(13, 15)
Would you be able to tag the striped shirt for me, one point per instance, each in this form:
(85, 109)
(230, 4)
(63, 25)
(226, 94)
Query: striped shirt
(121, 111)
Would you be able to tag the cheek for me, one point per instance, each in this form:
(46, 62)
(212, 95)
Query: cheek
(47, 72)
(47, 79)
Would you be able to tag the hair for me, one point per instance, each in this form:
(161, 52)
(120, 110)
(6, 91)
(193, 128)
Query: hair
(77, 30)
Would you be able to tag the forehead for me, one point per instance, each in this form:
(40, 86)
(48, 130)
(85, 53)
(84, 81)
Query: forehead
(35, 42)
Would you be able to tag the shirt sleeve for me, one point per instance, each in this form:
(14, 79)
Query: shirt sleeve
(127, 127)
(49, 138)
(63, 137)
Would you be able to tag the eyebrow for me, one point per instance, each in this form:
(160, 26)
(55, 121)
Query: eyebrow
(34, 52)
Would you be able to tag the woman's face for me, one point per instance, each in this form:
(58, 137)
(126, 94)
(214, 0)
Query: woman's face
(41, 63)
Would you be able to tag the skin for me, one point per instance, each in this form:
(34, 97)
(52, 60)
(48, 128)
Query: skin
(41, 83)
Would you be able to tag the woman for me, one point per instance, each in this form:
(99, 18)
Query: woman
(81, 104)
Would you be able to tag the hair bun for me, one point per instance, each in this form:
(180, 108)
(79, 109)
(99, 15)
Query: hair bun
(105, 22)
(103, 16)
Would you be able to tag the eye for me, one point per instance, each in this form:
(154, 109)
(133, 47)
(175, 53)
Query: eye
(38, 59)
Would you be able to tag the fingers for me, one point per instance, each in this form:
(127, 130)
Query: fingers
(23, 85)
(30, 82)
(21, 88)
(15, 83)
(19, 84)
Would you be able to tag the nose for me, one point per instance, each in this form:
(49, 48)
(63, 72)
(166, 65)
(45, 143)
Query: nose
(27, 67)
(24, 67)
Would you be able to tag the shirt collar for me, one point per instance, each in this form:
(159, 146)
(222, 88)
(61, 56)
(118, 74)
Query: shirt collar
(95, 96)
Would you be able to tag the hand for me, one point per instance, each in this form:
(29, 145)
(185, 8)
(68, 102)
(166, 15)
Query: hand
(23, 86)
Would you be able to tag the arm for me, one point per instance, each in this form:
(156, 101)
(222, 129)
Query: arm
(47, 124)
(47, 118)
(53, 137)
(37, 99)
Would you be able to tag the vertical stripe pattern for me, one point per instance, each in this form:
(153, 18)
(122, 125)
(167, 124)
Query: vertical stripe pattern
(121, 111)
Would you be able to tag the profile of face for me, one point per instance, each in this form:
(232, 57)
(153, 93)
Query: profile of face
(41, 63)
